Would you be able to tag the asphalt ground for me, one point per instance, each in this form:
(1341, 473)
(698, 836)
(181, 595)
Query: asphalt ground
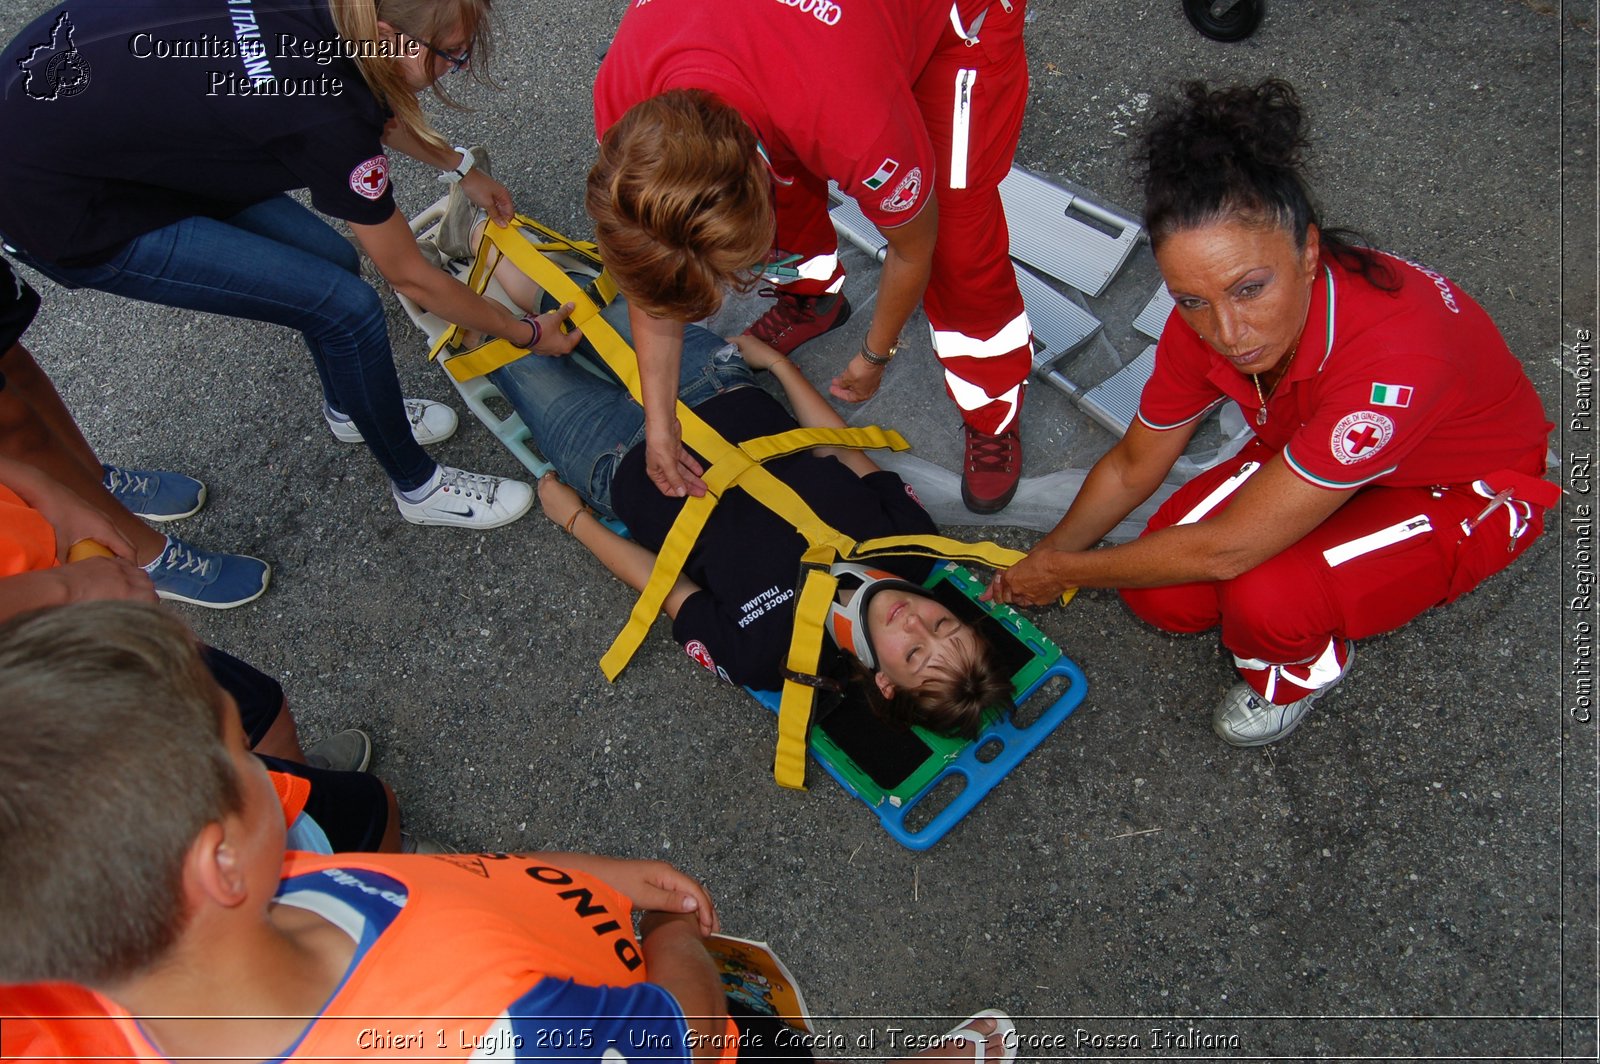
(1412, 874)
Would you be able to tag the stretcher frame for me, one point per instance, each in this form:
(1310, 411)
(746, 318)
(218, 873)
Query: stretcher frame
(977, 764)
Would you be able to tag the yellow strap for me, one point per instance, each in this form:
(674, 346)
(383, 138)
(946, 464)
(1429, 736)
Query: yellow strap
(797, 700)
(529, 257)
(866, 438)
(727, 466)
(483, 360)
(669, 563)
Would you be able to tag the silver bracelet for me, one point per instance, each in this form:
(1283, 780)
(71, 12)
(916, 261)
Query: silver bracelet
(880, 360)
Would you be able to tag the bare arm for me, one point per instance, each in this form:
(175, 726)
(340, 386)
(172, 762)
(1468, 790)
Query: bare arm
(483, 190)
(625, 559)
(906, 269)
(91, 580)
(677, 961)
(1124, 477)
(393, 249)
(810, 408)
(1272, 511)
(659, 345)
(72, 518)
(907, 265)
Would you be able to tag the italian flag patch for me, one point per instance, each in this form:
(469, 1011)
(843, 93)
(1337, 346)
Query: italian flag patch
(885, 171)
(1391, 395)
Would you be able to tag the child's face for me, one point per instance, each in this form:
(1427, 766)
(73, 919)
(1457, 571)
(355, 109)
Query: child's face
(914, 637)
(256, 832)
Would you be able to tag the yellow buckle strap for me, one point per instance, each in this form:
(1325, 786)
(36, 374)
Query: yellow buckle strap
(797, 700)
(669, 563)
(866, 438)
(531, 260)
(727, 465)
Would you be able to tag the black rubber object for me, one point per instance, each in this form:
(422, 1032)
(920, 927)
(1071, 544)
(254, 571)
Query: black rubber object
(1234, 24)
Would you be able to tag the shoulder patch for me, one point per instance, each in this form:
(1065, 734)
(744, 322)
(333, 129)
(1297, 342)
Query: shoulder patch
(702, 657)
(1391, 395)
(1360, 435)
(371, 178)
(885, 171)
(905, 194)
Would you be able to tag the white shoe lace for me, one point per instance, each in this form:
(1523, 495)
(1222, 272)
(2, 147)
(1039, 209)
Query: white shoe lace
(125, 482)
(478, 486)
(416, 410)
(180, 558)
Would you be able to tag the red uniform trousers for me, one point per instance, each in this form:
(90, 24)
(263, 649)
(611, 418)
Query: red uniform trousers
(1378, 561)
(981, 333)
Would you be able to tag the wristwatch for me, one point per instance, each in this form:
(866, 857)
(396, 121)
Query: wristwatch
(880, 360)
(468, 161)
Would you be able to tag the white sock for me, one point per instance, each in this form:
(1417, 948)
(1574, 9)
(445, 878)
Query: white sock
(333, 415)
(422, 491)
(162, 553)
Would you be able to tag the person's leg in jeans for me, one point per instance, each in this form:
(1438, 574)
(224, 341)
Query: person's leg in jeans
(583, 424)
(232, 268)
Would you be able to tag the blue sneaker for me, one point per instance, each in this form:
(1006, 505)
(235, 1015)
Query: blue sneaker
(199, 577)
(153, 494)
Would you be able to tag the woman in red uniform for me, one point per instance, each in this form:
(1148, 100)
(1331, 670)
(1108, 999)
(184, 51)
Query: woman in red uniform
(721, 123)
(1399, 446)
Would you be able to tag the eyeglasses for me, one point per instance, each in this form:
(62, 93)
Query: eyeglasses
(456, 62)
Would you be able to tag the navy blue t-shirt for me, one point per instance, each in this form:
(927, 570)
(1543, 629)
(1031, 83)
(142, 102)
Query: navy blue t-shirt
(747, 560)
(119, 117)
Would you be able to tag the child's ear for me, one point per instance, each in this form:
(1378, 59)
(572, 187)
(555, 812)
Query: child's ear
(213, 871)
(885, 687)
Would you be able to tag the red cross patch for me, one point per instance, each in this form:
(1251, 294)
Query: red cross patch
(371, 178)
(702, 657)
(1360, 435)
(905, 194)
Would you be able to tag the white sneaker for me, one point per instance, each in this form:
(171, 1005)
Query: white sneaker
(469, 500)
(431, 422)
(1244, 718)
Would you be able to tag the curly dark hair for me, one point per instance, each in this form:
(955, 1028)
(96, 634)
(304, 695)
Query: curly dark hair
(1239, 152)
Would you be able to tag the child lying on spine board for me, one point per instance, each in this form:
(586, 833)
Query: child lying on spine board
(733, 605)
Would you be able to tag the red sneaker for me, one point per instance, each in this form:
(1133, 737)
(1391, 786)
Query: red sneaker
(990, 469)
(793, 319)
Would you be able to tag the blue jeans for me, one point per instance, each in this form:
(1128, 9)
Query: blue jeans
(277, 262)
(583, 424)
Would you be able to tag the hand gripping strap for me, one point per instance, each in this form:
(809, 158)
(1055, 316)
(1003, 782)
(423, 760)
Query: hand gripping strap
(728, 465)
(942, 547)
(531, 260)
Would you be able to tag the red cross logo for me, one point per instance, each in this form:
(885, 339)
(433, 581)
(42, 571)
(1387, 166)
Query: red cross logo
(702, 657)
(370, 179)
(1359, 435)
(1361, 440)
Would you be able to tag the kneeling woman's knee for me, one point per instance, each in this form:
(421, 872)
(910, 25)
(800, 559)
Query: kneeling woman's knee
(1179, 608)
(1276, 611)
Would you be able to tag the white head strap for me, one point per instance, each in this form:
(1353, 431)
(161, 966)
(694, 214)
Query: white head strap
(847, 622)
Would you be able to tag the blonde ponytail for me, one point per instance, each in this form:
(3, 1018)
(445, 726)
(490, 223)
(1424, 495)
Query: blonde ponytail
(429, 20)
